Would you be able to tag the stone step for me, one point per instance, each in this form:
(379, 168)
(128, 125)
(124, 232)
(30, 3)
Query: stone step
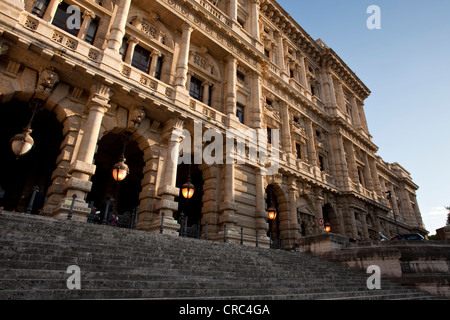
(117, 263)
(197, 294)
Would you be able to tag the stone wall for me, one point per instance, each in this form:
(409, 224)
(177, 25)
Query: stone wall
(425, 264)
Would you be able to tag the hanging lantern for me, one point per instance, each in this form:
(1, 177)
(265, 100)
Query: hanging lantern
(327, 227)
(272, 212)
(120, 170)
(188, 189)
(22, 143)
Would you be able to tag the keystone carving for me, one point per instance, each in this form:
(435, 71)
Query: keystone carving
(136, 117)
(47, 81)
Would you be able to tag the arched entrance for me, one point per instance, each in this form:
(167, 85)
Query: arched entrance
(330, 216)
(124, 194)
(20, 176)
(190, 210)
(278, 232)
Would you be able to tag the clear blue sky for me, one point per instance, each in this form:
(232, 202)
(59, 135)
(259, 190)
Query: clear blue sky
(406, 65)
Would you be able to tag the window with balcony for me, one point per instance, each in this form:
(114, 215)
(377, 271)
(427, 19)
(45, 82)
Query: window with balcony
(141, 59)
(64, 19)
(196, 89)
(39, 7)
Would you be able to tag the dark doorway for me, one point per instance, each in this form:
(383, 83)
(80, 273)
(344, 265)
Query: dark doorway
(192, 208)
(126, 192)
(274, 225)
(34, 169)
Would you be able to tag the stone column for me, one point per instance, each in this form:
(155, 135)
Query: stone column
(228, 207)
(294, 228)
(312, 154)
(303, 77)
(206, 86)
(132, 43)
(51, 10)
(376, 181)
(254, 18)
(362, 117)
(183, 58)
(281, 53)
(417, 214)
(318, 203)
(364, 226)
(233, 10)
(88, 16)
(287, 141)
(256, 100)
(261, 224)
(408, 211)
(368, 176)
(230, 103)
(353, 168)
(82, 168)
(156, 54)
(341, 162)
(355, 112)
(329, 91)
(117, 31)
(168, 190)
(340, 97)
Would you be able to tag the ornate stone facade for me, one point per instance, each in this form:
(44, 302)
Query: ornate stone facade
(155, 69)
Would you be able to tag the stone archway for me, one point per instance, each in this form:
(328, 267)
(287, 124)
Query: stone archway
(279, 229)
(35, 168)
(191, 210)
(330, 216)
(125, 193)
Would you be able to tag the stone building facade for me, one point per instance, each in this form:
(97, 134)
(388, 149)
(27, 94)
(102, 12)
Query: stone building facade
(101, 72)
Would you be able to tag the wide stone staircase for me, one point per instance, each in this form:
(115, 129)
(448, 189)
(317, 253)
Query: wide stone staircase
(114, 263)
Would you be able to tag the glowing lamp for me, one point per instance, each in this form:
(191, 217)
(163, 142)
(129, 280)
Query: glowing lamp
(188, 189)
(327, 227)
(120, 170)
(272, 213)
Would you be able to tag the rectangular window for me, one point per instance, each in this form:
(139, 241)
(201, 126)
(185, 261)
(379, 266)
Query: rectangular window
(141, 59)
(40, 7)
(321, 163)
(240, 76)
(298, 149)
(269, 135)
(240, 112)
(92, 31)
(210, 91)
(196, 89)
(61, 18)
